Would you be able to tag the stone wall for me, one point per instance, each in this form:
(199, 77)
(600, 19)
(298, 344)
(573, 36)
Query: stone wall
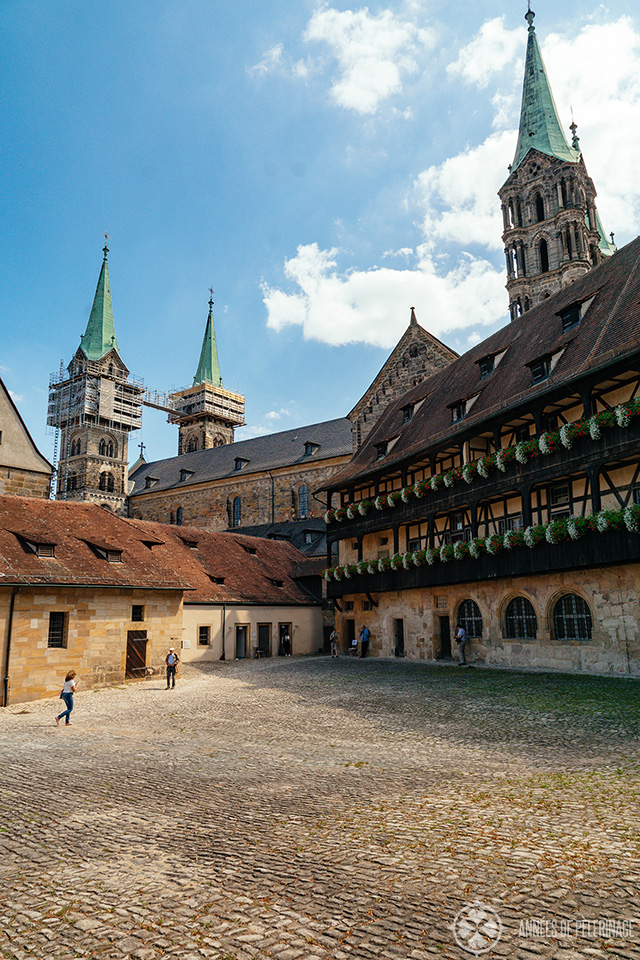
(96, 643)
(264, 498)
(24, 483)
(306, 629)
(612, 593)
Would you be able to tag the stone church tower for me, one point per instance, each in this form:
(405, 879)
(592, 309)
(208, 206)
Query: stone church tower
(94, 405)
(552, 230)
(206, 413)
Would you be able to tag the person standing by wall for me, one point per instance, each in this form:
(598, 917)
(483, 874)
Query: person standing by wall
(333, 640)
(364, 640)
(172, 660)
(68, 690)
(461, 640)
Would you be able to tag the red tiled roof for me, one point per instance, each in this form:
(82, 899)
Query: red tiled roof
(609, 330)
(72, 527)
(251, 567)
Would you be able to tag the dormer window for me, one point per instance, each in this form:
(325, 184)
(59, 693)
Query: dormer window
(381, 450)
(458, 411)
(218, 580)
(277, 583)
(407, 412)
(570, 317)
(251, 550)
(540, 369)
(150, 482)
(486, 366)
(310, 449)
(185, 474)
(40, 549)
(107, 553)
(240, 463)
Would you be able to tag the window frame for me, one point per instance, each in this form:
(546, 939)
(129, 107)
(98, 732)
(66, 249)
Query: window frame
(576, 615)
(521, 614)
(471, 619)
(58, 630)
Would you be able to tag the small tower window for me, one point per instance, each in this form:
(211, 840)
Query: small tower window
(236, 512)
(303, 502)
(539, 208)
(192, 445)
(544, 257)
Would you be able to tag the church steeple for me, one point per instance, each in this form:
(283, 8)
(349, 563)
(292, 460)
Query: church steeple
(552, 230)
(208, 368)
(100, 336)
(539, 124)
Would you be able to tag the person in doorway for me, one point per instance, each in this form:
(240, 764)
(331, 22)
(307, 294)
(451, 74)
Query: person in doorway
(461, 640)
(364, 640)
(333, 640)
(286, 645)
(172, 660)
(68, 690)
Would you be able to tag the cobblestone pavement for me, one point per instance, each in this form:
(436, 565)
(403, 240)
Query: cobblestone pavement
(324, 810)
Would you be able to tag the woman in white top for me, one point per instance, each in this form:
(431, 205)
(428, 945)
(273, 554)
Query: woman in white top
(68, 691)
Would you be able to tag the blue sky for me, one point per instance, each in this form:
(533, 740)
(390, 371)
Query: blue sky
(325, 166)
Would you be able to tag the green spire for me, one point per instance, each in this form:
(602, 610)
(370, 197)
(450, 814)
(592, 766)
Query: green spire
(208, 368)
(100, 335)
(539, 124)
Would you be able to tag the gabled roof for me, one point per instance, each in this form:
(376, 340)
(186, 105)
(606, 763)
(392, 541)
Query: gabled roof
(249, 569)
(17, 448)
(74, 528)
(100, 336)
(208, 368)
(608, 331)
(286, 449)
(540, 127)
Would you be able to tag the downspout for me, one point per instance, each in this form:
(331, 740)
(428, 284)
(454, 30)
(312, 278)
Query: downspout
(224, 617)
(5, 700)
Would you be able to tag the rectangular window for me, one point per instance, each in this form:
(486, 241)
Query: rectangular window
(204, 636)
(540, 370)
(570, 317)
(57, 629)
(137, 612)
(367, 605)
(407, 413)
(458, 411)
(559, 494)
(522, 433)
(381, 450)
(348, 606)
(486, 366)
(636, 495)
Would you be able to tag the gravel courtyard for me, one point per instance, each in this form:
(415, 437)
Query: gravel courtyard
(324, 809)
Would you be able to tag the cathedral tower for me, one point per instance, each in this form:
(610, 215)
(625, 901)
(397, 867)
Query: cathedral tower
(207, 413)
(552, 230)
(94, 405)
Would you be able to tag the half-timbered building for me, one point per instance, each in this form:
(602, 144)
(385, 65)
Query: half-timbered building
(503, 494)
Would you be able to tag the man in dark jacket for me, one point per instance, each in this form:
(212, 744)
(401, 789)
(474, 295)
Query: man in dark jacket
(172, 660)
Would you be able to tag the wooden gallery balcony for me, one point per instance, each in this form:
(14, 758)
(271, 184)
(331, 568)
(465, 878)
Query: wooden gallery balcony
(593, 550)
(585, 457)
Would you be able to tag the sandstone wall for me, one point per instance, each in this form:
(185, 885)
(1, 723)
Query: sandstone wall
(24, 483)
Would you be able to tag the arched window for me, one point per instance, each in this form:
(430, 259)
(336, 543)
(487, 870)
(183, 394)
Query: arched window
(72, 482)
(110, 483)
(303, 502)
(179, 517)
(102, 448)
(470, 618)
(572, 619)
(544, 257)
(106, 482)
(102, 483)
(237, 512)
(539, 208)
(520, 621)
(192, 445)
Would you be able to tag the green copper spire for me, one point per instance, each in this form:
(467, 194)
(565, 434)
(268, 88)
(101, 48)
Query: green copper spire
(100, 335)
(208, 368)
(539, 124)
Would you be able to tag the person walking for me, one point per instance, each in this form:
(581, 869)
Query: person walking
(333, 639)
(364, 640)
(461, 640)
(172, 660)
(68, 690)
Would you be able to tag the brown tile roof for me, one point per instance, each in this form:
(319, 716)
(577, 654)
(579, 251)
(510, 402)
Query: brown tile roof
(73, 528)
(608, 331)
(251, 567)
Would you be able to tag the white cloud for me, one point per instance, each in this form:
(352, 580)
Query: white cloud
(491, 51)
(271, 61)
(248, 433)
(459, 196)
(277, 414)
(373, 53)
(372, 306)
(16, 397)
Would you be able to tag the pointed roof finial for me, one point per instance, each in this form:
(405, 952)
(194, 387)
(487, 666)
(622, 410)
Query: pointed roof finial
(105, 249)
(100, 334)
(208, 367)
(529, 15)
(413, 320)
(612, 235)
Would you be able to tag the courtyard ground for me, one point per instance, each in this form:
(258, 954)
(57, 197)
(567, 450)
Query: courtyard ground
(325, 809)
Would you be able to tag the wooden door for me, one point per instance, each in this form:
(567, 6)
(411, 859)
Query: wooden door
(264, 639)
(445, 639)
(136, 664)
(398, 630)
(241, 641)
